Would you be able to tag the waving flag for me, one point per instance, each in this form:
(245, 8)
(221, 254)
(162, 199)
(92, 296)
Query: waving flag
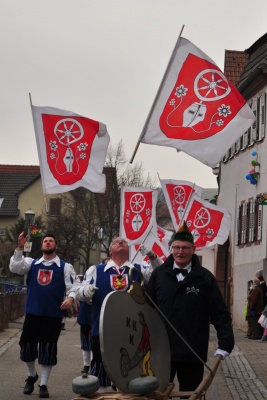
(154, 245)
(196, 110)
(158, 244)
(208, 223)
(72, 150)
(138, 213)
(177, 194)
(164, 236)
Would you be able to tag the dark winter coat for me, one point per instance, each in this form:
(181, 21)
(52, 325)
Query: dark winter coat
(190, 306)
(255, 301)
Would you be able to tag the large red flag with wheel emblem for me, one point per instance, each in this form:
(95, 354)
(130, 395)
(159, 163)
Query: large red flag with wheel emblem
(72, 150)
(196, 110)
(208, 223)
(138, 213)
(177, 194)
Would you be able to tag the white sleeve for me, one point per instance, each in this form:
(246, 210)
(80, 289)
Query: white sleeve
(146, 270)
(70, 281)
(155, 263)
(19, 264)
(88, 282)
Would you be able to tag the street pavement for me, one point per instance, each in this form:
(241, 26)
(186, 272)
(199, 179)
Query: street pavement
(243, 375)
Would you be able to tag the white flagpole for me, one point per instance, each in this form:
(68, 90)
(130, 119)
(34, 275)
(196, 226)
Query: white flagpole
(157, 95)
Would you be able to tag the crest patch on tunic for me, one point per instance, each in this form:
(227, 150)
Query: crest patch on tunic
(44, 276)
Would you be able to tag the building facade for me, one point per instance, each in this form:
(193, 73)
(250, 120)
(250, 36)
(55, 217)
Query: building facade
(243, 182)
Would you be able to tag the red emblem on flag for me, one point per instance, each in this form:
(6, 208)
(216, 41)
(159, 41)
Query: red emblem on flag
(204, 223)
(137, 213)
(68, 145)
(179, 196)
(201, 103)
(44, 276)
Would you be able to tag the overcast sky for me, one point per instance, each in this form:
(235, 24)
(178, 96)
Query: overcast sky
(104, 59)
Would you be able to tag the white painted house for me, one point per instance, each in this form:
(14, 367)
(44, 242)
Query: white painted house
(246, 251)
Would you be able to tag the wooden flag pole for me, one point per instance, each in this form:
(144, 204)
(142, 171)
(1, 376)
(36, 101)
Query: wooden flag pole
(157, 95)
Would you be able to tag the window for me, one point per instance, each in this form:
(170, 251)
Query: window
(55, 206)
(249, 222)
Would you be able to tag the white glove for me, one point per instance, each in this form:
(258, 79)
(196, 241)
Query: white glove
(222, 353)
(88, 291)
(146, 251)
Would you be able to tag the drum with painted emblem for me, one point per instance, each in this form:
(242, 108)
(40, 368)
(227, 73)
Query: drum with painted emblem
(133, 339)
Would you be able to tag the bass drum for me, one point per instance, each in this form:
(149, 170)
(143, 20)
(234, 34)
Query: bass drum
(133, 341)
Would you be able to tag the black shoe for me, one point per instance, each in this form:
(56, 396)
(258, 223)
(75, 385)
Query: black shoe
(30, 381)
(43, 392)
(254, 337)
(85, 369)
(63, 326)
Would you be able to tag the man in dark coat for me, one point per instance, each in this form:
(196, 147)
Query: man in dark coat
(189, 296)
(255, 308)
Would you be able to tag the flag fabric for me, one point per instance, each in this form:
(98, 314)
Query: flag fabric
(196, 110)
(208, 223)
(138, 213)
(177, 194)
(72, 150)
(154, 244)
(159, 244)
(164, 236)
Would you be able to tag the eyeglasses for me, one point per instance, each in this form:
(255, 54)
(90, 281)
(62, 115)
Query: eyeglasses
(182, 248)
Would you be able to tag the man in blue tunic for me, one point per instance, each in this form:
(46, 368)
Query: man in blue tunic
(49, 280)
(102, 280)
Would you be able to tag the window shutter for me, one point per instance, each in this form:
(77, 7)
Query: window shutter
(238, 145)
(259, 221)
(245, 140)
(232, 151)
(262, 117)
(251, 220)
(254, 127)
(244, 223)
(225, 158)
(238, 227)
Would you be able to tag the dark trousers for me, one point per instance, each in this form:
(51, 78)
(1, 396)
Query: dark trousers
(97, 367)
(189, 375)
(85, 337)
(256, 327)
(39, 339)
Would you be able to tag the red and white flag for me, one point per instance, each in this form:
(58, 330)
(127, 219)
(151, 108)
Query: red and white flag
(164, 236)
(208, 223)
(177, 194)
(158, 244)
(196, 110)
(72, 150)
(154, 245)
(138, 213)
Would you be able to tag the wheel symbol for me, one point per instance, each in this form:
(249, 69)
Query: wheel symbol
(202, 218)
(68, 131)
(179, 194)
(137, 203)
(211, 85)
